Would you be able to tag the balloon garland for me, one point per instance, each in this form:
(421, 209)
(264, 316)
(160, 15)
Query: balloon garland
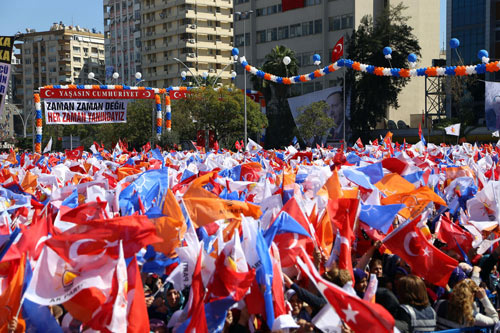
(485, 66)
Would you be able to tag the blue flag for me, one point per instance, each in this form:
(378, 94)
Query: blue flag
(283, 223)
(264, 275)
(379, 217)
(359, 178)
(148, 187)
(373, 171)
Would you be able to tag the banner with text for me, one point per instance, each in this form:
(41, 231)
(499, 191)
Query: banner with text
(6, 44)
(68, 112)
(96, 93)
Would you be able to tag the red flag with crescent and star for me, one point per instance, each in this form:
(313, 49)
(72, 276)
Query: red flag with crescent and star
(426, 260)
(338, 50)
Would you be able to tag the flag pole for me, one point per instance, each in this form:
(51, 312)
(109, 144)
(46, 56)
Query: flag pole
(345, 69)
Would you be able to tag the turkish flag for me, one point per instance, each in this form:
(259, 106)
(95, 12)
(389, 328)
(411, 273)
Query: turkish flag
(291, 4)
(227, 281)
(343, 213)
(338, 50)
(454, 236)
(408, 242)
(360, 315)
(74, 154)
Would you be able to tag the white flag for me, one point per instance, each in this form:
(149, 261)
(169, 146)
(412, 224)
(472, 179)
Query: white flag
(48, 147)
(253, 146)
(496, 134)
(453, 130)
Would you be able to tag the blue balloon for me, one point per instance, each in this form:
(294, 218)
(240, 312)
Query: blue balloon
(454, 43)
(482, 53)
(235, 51)
(412, 57)
(387, 50)
(316, 57)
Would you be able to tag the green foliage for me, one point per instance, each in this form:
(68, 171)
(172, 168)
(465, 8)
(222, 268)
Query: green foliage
(219, 110)
(281, 127)
(314, 121)
(372, 95)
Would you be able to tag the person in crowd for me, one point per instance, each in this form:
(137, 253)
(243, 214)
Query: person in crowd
(415, 313)
(462, 311)
(376, 268)
(314, 301)
(299, 312)
(361, 282)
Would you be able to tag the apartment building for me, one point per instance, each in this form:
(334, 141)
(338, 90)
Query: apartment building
(318, 25)
(176, 34)
(62, 55)
(122, 32)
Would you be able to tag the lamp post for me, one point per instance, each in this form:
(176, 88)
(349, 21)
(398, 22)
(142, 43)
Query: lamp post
(233, 74)
(116, 75)
(185, 66)
(91, 76)
(138, 79)
(245, 13)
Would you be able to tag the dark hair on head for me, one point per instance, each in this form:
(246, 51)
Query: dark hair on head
(374, 262)
(412, 291)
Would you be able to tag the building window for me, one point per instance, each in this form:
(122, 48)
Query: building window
(272, 34)
(295, 30)
(76, 49)
(52, 59)
(77, 59)
(312, 2)
(261, 36)
(283, 32)
(318, 26)
(340, 22)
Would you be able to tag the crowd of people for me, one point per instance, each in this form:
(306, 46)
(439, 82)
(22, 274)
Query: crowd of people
(251, 241)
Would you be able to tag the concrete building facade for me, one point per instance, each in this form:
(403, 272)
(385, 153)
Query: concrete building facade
(197, 32)
(316, 28)
(62, 55)
(122, 32)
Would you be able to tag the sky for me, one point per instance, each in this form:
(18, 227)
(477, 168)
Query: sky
(17, 15)
(40, 14)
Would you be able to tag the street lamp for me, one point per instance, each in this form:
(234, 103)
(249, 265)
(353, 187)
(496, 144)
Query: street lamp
(185, 66)
(240, 14)
(116, 75)
(233, 74)
(138, 79)
(91, 76)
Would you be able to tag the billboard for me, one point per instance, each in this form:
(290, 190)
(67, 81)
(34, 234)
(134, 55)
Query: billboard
(492, 105)
(6, 44)
(92, 111)
(334, 97)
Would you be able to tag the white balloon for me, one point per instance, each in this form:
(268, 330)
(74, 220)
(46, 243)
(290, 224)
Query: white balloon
(287, 60)
(138, 75)
(91, 75)
(116, 75)
(183, 74)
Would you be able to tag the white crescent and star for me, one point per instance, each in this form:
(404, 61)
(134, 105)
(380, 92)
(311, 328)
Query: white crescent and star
(73, 251)
(49, 93)
(407, 241)
(148, 92)
(339, 47)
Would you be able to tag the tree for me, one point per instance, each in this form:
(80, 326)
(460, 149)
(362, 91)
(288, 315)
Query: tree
(221, 111)
(313, 121)
(281, 124)
(372, 95)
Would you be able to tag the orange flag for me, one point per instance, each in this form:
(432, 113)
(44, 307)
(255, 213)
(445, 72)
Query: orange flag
(12, 157)
(171, 227)
(29, 183)
(324, 231)
(332, 186)
(10, 298)
(394, 184)
(415, 201)
(204, 207)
